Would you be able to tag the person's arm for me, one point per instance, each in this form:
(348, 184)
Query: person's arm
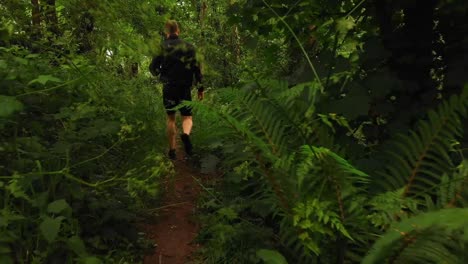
(155, 66)
(198, 81)
(196, 70)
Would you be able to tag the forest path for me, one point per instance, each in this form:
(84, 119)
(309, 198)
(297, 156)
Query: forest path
(175, 228)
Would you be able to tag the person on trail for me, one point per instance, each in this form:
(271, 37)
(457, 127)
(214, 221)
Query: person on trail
(179, 71)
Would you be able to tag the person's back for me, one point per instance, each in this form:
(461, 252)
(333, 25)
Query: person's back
(178, 62)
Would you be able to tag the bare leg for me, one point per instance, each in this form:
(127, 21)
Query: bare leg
(187, 124)
(171, 130)
(187, 127)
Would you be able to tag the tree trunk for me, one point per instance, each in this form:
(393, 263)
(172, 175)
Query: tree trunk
(51, 17)
(36, 20)
(236, 44)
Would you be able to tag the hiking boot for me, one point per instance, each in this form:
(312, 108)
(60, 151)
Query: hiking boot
(187, 144)
(172, 154)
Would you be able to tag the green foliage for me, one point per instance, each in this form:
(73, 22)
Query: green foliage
(263, 135)
(433, 237)
(417, 161)
(227, 236)
(338, 125)
(315, 220)
(80, 158)
(271, 256)
(390, 205)
(369, 96)
(9, 105)
(318, 202)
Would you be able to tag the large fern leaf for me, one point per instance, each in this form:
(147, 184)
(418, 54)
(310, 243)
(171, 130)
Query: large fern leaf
(435, 237)
(417, 160)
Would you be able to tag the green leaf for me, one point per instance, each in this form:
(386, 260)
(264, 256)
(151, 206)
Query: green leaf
(271, 256)
(90, 260)
(32, 56)
(21, 61)
(345, 24)
(17, 190)
(76, 244)
(327, 122)
(50, 228)
(43, 79)
(3, 64)
(227, 212)
(9, 105)
(304, 236)
(57, 206)
(7, 217)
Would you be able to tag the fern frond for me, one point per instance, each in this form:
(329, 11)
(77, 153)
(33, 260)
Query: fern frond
(324, 179)
(451, 189)
(262, 151)
(434, 237)
(297, 107)
(416, 161)
(316, 162)
(391, 205)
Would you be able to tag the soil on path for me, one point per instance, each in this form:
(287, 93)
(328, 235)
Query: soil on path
(174, 229)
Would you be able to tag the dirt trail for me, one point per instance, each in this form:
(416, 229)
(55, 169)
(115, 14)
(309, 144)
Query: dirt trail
(175, 228)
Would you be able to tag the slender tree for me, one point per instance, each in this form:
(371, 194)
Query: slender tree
(51, 17)
(36, 20)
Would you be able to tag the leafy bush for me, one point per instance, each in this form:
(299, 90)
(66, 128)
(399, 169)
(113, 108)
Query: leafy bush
(79, 160)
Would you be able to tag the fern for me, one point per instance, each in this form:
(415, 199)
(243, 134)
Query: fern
(451, 189)
(270, 130)
(264, 127)
(387, 207)
(331, 190)
(258, 136)
(417, 161)
(296, 106)
(426, 238)
(318, 198)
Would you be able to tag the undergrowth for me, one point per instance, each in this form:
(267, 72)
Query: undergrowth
(280, 195)
(81, 160)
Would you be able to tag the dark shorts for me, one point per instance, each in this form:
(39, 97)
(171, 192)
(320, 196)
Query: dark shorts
(173, 95)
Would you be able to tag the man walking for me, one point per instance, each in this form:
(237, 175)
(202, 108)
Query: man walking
(179, 71)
